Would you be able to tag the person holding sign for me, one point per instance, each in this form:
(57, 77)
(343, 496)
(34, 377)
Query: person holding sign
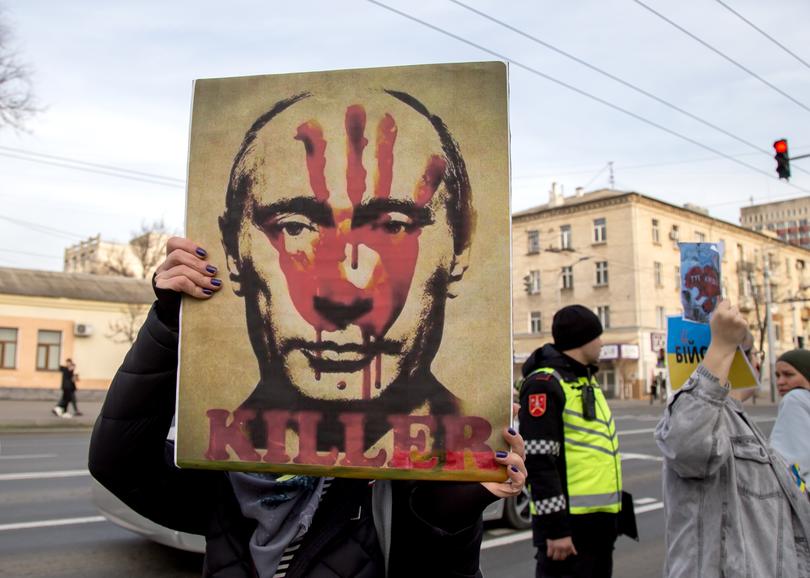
(732, 504)
(269, 525)
(791, 432)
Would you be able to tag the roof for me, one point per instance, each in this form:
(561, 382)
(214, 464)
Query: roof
(571, 201)
(82, 286)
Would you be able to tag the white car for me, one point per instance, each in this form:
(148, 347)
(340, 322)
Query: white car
(513, 511)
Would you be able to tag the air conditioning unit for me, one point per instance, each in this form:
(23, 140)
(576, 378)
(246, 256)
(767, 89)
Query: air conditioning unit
(82, 330)
(674, 235)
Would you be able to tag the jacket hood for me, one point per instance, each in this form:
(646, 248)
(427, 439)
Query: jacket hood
(548, 356)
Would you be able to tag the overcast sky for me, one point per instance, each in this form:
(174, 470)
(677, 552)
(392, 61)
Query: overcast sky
(114, 80)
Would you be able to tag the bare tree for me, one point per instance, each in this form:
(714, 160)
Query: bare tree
(125, 329)
(147, 246)
(16, 95)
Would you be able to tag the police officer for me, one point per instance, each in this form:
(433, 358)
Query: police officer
(572, 451)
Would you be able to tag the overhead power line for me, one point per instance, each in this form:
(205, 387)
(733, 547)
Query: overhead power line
(43, 229)
(722, 54)
(761, 31)
(615, 78)
(579, 91)
(110, 171)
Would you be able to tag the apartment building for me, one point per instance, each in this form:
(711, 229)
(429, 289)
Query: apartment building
(790, 220)
(138, 258)
(617, 253)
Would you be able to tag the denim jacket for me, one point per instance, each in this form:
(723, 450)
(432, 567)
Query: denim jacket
(732, 506)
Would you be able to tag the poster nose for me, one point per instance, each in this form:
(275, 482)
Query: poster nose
(359, 265)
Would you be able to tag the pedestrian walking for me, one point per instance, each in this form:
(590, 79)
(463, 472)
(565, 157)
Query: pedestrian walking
(791, 432)
(572, 452)
(68, 387)
(732, 505)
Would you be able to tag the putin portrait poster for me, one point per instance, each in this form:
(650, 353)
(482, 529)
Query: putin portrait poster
(363, 325)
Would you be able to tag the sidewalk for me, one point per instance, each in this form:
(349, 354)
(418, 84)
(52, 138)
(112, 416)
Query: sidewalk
(28, 415)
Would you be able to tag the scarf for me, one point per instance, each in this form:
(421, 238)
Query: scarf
(283, 507)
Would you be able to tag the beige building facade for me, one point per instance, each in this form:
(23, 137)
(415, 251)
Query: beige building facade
(138, 258)
(789, 220)
(47, 317)
(617, 253)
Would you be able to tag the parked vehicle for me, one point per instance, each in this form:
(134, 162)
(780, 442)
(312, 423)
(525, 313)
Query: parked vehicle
(512, 511)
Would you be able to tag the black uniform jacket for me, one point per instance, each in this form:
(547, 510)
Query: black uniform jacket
(130, 456)
(542, 401)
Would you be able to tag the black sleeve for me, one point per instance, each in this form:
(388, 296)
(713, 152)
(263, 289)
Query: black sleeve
(128, 448)
(541, 406)
(439, 524)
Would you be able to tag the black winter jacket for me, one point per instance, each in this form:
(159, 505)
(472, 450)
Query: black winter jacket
(130, 456)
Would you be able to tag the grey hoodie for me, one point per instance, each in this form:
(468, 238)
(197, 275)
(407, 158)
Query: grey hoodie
(791, 432)
(732, 507)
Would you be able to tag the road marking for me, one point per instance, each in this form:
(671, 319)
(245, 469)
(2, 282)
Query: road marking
(649, 507)
(630, 456)
(631, 432)
(43, 475)
(27, 456)
(642, 501)
(504, 540)
(51, 523)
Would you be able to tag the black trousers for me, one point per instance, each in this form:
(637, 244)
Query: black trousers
(594, 559)
(68, 397)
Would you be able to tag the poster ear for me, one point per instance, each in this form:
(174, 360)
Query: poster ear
(457, 269)
(233, 270)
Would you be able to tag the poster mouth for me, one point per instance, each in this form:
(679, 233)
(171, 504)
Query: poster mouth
(331, 357)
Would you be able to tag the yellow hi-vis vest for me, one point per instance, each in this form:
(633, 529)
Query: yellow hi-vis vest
(592, 460)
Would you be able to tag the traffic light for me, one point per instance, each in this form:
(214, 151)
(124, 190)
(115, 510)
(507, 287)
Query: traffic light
(782, 159)
(527, 283)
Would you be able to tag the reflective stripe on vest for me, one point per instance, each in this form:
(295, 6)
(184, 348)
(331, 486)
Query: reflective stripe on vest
(592, 460)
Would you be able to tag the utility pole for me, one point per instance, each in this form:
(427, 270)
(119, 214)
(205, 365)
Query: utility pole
(612, 181)
(769, 322)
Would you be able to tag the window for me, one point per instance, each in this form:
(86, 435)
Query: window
(656, 233)
(534, 282)
(603, 312)
(678, 278)
(49, 349)
(535, 322)
(567, 276)
(607, 382)
(740, 253)
(599, 230)
(565, 237)
(601, 273)
(8, 348)
(533, 242)
(657, 274)
(661, 318)
(700, 237)
(675, 233)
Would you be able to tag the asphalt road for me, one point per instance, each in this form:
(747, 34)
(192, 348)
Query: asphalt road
(50, 528)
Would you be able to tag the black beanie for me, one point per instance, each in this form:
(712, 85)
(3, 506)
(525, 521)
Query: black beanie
(799, 359)
(574, 326)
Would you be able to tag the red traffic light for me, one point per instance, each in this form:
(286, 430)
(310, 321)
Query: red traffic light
(780, 146)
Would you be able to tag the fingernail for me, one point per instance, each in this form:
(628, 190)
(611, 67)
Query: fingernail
(207, 291)
(512, 432)
(216, 282)
(515, 469)
(200, 251)
(500, 454)
(210, 268)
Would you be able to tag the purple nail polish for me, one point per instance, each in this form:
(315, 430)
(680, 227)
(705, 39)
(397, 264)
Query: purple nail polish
(500, 454)
(200, 251)
(207, 291)
(211, 269)
(216, 282)
(515, 469)
(512, 432)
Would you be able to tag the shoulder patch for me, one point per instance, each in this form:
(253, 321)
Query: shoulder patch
(537, 404)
